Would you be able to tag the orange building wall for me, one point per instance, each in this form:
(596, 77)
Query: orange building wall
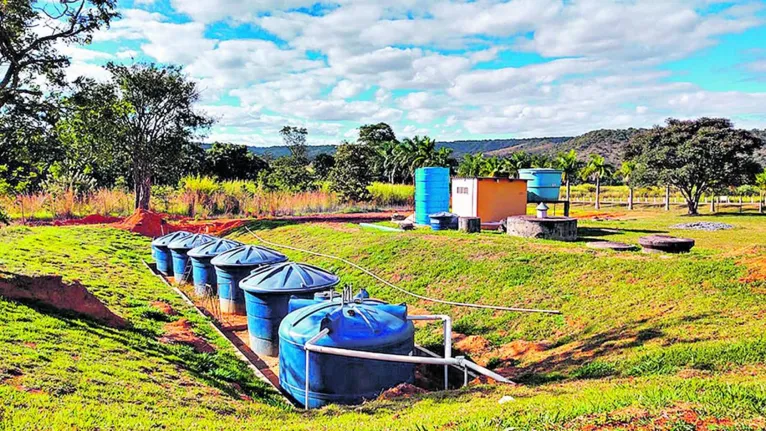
(500, 198)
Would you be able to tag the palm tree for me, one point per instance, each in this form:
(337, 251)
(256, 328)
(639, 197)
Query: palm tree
(471, 165)
(626, 173)
(421, 152)
(492, 167)
(596, 169)
(386, 160)
(519, 160)
(570, 166)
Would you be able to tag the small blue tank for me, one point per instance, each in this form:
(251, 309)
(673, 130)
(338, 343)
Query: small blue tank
(234, 265)
(179, 249)
(431, 192)
(267, 292)
(443, 221)
(362, 324)
(161, 253)
(203, 272)
(543, 184)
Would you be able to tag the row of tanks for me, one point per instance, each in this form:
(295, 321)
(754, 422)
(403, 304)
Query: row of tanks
(290, 304)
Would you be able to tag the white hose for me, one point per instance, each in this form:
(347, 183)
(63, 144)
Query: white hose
(393, 286)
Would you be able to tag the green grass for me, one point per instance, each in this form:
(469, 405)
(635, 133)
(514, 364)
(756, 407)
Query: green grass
(639, 331)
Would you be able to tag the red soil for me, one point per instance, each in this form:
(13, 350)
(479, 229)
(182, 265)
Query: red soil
(403, 390)
(634, 419)
(598, 215)
(146, 223)
(472, 344)
(91, 219)
(164, 308)
(181, 332)
(53, 292)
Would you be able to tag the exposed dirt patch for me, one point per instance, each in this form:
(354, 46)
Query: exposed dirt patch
(181, 332)
(471, 344)
(512, 351)
(52, 291)
(635, 419)
(756, 266)
(599, 215)
(507, 372)
(164, 308)
(146, 223)
(91, 219)
(404, 390)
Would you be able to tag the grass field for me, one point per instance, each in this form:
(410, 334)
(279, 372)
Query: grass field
(645, 341)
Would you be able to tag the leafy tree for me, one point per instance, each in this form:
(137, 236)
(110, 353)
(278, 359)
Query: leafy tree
(4, 218)
(376, 134)
(596, 169)
(542, 161)
(626, 174)
(385, 162)
(570, 167)
(291, 172)
(421, 152)
(695, 156)
(145, 114)
(295, 139)
(519, 160)
(351, 174)
(760, 182)
(231, 161)
(322, 165)
(31, 30)
(471, 165)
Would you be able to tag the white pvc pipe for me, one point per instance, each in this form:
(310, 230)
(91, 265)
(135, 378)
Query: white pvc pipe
(447, 338)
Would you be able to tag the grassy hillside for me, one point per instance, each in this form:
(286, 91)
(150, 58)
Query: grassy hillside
(642, 336)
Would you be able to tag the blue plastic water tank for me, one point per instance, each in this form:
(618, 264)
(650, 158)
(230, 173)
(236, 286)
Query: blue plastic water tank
(363, 324)
(161, 253)
(234, 265)
(203, 272)
(443, 221)
(267, 292)
(431, 192)
(543, 184)
(179, 249)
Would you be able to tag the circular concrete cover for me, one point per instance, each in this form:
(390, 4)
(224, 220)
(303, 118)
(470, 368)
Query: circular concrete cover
(666, 244)
(611, 245)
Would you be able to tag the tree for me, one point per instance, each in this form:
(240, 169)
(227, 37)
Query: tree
(570, 167)
(291, 172)
(232, 162)
(695, 156)
(295, 139)
(626, 173)
(322, 165)
(145, 114)
(421, 152)
(596, 169)
(519, 160)
(351, 174)
(376, 134)
(760, 182)
(471, 166)
(29, 33)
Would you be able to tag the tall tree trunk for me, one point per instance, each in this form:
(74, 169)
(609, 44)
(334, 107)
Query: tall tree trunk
(692, 206)
(630, 198)
(712, 203)
(598, 192)
(143, 191)
(667, 197)
(569, 187)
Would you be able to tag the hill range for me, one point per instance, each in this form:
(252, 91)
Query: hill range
(609, 143)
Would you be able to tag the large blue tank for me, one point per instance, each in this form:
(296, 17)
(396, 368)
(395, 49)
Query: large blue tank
(361, 324)
(234, 265)
(543, 184)
(161, 253)
(203, 272)
(267, 292)
(179, 249)
(431, 192)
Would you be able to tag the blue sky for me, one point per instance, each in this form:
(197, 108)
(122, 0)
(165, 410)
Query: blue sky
(448, 69)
